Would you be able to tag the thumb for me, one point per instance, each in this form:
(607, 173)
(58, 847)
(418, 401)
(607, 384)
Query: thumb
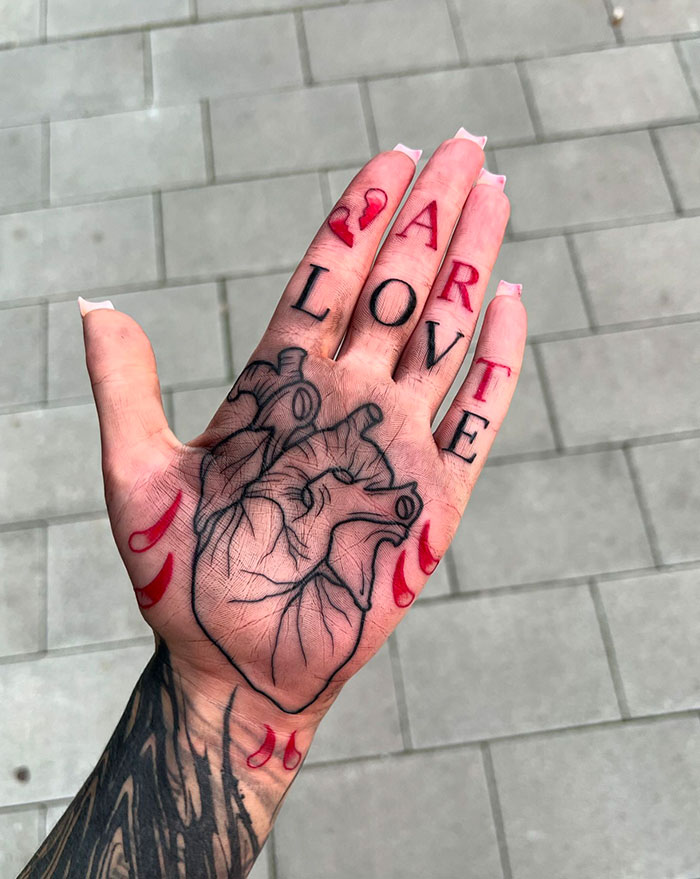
(122, 367)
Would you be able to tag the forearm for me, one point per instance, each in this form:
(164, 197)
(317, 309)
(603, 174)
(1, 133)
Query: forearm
(172, 794)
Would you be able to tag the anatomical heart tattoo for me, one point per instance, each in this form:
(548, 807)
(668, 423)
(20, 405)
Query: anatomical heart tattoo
(292, 513)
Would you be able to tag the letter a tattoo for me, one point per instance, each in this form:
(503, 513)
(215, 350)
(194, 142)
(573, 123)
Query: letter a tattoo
(431, 225)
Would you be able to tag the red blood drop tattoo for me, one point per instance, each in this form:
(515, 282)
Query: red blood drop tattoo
(152, 592)
(469, 278)
(292, 756)
(262, 755)
(491, 366)
(403, 596)
(427, 559)
(338, 222)
(375, 201)
(431, 225)
(140, 541)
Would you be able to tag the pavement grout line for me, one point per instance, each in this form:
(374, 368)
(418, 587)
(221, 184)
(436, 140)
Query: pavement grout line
(644, 509)
(303, 47)
(400, 692)
(548, 396)
(496, 811)
(610, 652)
(580, 276)
(45, 163)
(687, 73)
(457, 32)
(326, 197)
(43, 20)
(666, 172)
(450, 563)
(530, 101)
(615, 29)
(76, 650)
(225, 327)
(159, 233)
(208, 141)
(147, 69)
(43, 639)
(368, 113)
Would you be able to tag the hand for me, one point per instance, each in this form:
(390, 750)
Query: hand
(279, 549)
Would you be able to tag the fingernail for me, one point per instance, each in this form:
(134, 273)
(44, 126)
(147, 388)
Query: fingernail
(412, 154)
(506, 289)
(489, 179)
(85, 305)
(476, 138)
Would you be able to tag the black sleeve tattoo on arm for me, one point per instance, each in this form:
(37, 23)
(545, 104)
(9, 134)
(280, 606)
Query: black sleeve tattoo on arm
(158, 804)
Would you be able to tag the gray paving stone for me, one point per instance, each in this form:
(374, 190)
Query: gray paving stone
(261, 868)
(655, 625)
(617, 386)
(621, 801)
(372, 819)
(438, 584)
(364, 720)
(83, 16)
(183, 324)
(224, 58)
(507, 664)
(592, 180)
(19, 20)
(690, 49)
(251, 303)
(72, 78)
(22, 578)
(338, 180)
(59, 731)
(209, 8)
(421, 37)
(511, 29)
(426, 109)
(680, 146)
(23, 343)
(240, 227)
(547, 520)
(668, 474)
(77, 248)
(550, 289)
(19, 839)
(20, 165)
(193, 410)
(141, 150)
(298, 130)
(83, 558)
(649, 86)
(642, 272)
(649, 18)
(52, 461)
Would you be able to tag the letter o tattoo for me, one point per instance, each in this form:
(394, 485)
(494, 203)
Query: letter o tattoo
(405, 314)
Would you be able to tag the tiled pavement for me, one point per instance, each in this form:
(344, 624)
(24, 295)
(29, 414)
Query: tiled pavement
(537, 715)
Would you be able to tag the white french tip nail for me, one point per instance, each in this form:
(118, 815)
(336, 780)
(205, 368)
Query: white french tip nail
(486, 178)
(85, 305)
(475, 138)
(506, 289)
(412, 154)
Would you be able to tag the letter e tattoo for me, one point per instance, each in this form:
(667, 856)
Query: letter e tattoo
(306, 292)
(462, 431)
(462, 284)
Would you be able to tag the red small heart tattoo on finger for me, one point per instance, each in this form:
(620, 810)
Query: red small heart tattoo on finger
(338, 221)
(375, 202)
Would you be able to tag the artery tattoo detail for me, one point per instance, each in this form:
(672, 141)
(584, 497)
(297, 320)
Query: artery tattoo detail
(293, 513)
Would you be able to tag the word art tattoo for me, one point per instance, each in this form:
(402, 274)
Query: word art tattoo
(293, 512)
(339, 221)
(157, 804)
(141, 541)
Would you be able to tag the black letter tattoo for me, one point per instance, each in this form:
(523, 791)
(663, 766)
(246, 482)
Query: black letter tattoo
(431, 359)
(306, 292)
(405, 314)
(294, 513)
(461, 432)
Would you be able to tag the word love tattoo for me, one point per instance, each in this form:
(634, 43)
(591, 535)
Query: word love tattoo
(293, 512)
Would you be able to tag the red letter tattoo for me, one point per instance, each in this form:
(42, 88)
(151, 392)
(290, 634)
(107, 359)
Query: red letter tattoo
(264, 752)
(152, 592)
(306, 292)
(462, 284)
(431, 358)
(427, 560)
(403, 596)
(486, 379)
(140, 541)
(431, 226)
(460, 432)
(375, 201)
(292, 757)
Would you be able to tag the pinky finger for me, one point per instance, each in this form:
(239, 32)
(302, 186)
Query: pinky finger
(466, 433)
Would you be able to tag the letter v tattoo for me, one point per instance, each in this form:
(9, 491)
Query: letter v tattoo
(431, 357)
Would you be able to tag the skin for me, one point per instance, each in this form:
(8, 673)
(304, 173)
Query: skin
(215, 673)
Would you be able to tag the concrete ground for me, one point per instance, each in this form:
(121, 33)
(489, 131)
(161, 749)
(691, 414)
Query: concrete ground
(536, 716)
